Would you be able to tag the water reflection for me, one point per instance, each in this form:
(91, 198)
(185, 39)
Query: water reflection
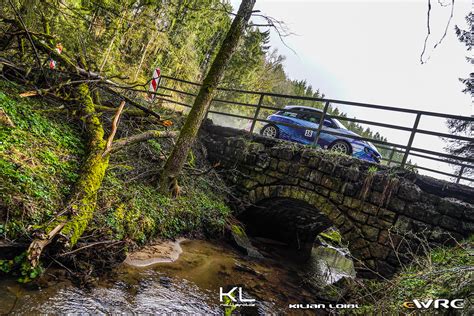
(189, 285)
(147, 295)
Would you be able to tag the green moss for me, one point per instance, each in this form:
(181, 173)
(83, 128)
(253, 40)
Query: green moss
(238, 230)
(137, 212)
(332, 235)
(92, 172)
(39, 160)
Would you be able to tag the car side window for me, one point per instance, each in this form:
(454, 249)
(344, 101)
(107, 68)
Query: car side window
(290, 114)
(312, 117)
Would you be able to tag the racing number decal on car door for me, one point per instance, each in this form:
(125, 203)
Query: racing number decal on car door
(308, 133)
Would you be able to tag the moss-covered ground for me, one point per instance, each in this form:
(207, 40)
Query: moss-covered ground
(40, 157)
(39, 160)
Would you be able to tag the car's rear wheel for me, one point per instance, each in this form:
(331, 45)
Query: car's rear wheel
(270, 130)
(341, 147)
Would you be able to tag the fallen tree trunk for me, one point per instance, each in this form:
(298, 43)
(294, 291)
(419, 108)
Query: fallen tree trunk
(71, 222)
(82, 203)
(84, 198)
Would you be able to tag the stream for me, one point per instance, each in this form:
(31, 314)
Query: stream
(189, 285)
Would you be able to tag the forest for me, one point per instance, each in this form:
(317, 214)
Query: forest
(82, 151)
(128, 39)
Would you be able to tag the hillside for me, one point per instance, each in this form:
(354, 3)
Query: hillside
(41, 153)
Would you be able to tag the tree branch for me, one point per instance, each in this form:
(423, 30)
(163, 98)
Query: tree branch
(135, 104)
(114, 127)
(428, 33)
(151, 134)
(429, 29)
(279, 26)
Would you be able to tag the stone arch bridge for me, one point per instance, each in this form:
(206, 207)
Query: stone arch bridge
(295, 192)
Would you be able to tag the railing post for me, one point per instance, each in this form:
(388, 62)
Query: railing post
(321, 123)
(410, 141)
(461, 171)
(158, 84)
(257, 112)
(391, 156)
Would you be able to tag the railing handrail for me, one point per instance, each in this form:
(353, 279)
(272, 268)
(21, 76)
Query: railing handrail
(356, 120)
(360, 104)
(345, 135)
(462, 162)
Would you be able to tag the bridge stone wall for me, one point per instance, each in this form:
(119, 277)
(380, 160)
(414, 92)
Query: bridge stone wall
(378, 210)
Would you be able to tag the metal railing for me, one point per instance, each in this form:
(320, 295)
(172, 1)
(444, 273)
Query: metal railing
(406, 150)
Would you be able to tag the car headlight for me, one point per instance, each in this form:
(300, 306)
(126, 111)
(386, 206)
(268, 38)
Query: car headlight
(371, 152)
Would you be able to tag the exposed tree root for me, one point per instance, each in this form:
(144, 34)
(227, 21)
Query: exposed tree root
(37, 245)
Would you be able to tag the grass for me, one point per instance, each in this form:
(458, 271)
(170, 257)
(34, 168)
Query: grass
(442, 273)
(372, 170)
(139, 213)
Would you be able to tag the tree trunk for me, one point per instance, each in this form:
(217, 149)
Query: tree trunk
(175, 163)
(109, 48)
(145, 50)
(82, 203)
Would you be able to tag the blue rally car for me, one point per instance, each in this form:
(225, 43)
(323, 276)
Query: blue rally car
(307, 117)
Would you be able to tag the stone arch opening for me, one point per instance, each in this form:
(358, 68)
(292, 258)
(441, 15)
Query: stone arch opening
(290, 221)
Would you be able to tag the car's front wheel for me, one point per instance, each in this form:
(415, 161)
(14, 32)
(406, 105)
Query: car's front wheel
(270, 130)
(341, 147)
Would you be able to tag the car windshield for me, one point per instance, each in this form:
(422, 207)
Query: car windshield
(339, 124)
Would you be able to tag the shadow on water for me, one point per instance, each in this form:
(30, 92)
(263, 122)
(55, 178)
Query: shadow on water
(189, 285)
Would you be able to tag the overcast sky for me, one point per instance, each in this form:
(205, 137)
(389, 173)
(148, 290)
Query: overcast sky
(369, 51)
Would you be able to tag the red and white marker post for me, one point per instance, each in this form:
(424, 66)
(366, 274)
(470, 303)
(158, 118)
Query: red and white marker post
(155, 81)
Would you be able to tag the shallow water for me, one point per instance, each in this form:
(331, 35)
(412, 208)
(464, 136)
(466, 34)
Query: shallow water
(189, 285)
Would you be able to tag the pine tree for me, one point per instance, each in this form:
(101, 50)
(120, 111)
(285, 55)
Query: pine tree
(462, 127)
